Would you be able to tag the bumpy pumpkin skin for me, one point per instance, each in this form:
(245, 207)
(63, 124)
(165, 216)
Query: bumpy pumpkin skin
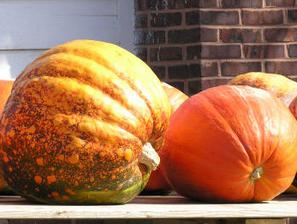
(279, 85)
(5, 89)
(157, 183)
(239, 145)
(73, 129)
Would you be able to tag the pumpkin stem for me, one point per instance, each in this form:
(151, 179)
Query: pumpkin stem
(257, 173)
(149, 157)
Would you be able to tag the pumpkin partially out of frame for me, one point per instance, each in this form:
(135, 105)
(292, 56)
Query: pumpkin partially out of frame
(5, 89)
(277, 84)
(238, 145)
(79, 123)
(157, 183)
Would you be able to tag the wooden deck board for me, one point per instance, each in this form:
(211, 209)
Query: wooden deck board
(149, 207)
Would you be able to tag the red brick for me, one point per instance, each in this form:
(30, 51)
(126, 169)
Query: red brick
(160, 71)
(208, 35)
(235, 68)
(208, 83)
(241, 3)
(156, 4)
(165, 19)
(184, 36)
(203, 3)
(193, 18)
(181, 4)
(166, 54)
(183, 71)
(186, 71)
(194, 52)
(281, 3)
(240, 35)
(292, 16)
(149, 37)
(194, 35)
(264, 51)
(292, 50)
(219, 18)
(280, 34)
(178, 84)
(267, 17)
(140, 5)
(209, 69)
(141, 53)
(141, 21)
(194, 87)
(213, 52)
(282, 67)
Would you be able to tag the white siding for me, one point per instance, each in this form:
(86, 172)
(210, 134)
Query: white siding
(12, 62)
(28, 27)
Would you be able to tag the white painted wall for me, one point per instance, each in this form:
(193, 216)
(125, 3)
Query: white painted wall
(28, 27)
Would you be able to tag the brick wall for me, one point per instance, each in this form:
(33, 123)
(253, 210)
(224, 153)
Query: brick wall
(196, 44)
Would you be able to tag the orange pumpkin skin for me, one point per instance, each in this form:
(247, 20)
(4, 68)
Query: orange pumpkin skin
(157, 182)
(77, 120)
(231, 144)
(278, 85)
(293, 107)
(5, 89)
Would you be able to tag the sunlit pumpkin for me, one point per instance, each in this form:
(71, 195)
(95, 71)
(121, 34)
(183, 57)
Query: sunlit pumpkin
(231, 144)
(5, 89)
(79, 124)
(279, 85)
(293, 107)
(157, 184)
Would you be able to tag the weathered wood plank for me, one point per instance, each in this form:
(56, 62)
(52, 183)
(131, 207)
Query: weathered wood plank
(143, 207)
(266, 221)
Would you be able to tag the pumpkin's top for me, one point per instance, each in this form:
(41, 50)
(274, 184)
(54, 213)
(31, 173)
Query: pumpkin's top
(78, 117)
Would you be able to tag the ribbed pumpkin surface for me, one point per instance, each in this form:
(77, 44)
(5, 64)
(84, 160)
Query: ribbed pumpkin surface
(239, 145)
(278, 85)
(157, 184)
(74, 127)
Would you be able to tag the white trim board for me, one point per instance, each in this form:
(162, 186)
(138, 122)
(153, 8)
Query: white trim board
(27, 27)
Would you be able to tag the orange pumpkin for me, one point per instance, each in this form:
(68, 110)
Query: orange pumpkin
(293, 107)
(279, 85)
(5, 89)
(78, 126)
(157, 183)
(231, 144)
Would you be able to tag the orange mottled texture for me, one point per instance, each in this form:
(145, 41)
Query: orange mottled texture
(5, 89)
(278, 85)
(157, 182)
(231, 132)
(76, 122)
